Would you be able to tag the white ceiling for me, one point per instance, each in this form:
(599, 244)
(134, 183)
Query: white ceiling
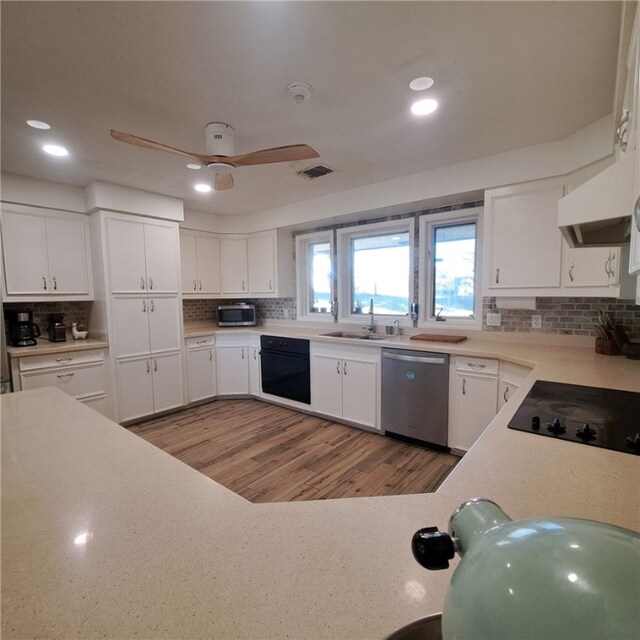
(507, 75)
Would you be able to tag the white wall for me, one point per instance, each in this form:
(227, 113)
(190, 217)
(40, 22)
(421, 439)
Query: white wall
(40, 193)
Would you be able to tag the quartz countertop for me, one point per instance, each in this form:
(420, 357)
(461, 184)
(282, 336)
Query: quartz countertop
(104, 535)
(44, 347)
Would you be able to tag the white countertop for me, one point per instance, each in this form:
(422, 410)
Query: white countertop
(174, 554)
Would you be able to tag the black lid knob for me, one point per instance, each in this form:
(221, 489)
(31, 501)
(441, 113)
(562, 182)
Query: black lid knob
(634, 441)
(535, 422)
(556, 427)
(432, 548)
(586, 433)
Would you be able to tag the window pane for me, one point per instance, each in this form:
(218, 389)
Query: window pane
(319, 277)
(454, 258)
(380, 270)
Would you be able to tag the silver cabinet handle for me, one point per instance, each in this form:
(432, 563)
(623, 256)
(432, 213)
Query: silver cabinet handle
(243, 285)
(201, 342)
(255, 354)
(475, 365)
(210, 355)
(622, 132)
(150, 283)
(612, 273)
(142, 283)
(148, 367)
(344, 367)
(199, 285)
(243, 354)
(152, 305)
(606, 266)
(155, 364)
(44, 283)
(636, 213)
(67, 359)
(66, 375)
(144, 306)
(498, 275)
(571, 272)
(55, 283)
(506, 392)
(271, 285)
(195, 287)
(338, 367)
(464, 386)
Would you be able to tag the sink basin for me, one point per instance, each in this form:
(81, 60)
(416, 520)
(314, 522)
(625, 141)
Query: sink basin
(429, 628)
(354, 336)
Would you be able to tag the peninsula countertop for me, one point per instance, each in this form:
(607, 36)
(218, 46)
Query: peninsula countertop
(106, 536)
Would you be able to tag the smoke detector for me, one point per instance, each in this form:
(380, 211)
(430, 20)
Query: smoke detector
(299, 91)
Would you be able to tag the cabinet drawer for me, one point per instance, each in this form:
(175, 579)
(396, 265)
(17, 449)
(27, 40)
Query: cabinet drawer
(477, 365)
(76, 381)
(35, 363)
(202, 341)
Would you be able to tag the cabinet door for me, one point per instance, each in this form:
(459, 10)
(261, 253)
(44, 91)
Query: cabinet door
(167, 381)
(202, 374)
(67, 253)
(125, 249)
(475, 406)
(588, 267)
(130, 326)
(164, 324)
(24, 243)
(188, 270)
(208, 253)
(255, 385)
(135, 389)
(326, 385)
(525, 240)
(261, 260)
(360, 391)
(232, 370)
(161, 250)
(233, 265)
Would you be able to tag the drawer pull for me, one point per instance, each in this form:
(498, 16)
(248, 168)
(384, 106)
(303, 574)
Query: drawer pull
(201, 342)
(153, 306)
(67, 359)
(200, 285)
(475, 365)
(66, 375)
(194, 285)
(142, 283)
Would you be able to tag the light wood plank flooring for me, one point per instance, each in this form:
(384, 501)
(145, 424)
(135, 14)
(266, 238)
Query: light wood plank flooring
(268, 453)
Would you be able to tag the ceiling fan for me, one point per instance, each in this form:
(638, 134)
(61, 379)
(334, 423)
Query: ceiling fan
(221, 152)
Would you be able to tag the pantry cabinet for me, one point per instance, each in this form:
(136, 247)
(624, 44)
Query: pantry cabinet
(46, 255)
(472, 399)
(200, 264)
(345, 384)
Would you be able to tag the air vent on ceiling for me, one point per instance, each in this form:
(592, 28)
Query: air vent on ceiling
(315, 172)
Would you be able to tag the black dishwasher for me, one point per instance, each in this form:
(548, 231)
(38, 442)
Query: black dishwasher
(284, 364)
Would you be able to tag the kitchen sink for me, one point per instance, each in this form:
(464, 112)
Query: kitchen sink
(428, 628)
(354, 336)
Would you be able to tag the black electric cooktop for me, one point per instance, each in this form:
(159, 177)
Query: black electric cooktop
(592, 416)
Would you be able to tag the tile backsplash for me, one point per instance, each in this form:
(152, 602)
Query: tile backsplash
(73, 311)
(565, 316)
(266, 308)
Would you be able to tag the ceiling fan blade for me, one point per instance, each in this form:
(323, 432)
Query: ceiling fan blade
(290, 153)
(156, 146)
(222, 181)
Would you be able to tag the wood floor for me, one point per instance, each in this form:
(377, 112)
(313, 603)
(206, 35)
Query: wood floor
(267, 453)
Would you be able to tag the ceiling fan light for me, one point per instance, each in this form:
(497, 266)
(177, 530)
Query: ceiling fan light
(194, 166)
(202, 187)
(424, 107)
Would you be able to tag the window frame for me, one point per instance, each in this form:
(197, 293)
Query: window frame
(302, 243)
(345, 276)
(427, 223)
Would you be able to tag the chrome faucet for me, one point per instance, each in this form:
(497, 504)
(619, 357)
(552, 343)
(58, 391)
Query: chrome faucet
(371, 327)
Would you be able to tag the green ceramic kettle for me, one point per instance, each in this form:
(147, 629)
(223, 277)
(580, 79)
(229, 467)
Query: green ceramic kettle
(542, 578)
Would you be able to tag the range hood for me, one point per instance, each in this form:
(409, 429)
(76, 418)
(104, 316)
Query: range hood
(598, 212)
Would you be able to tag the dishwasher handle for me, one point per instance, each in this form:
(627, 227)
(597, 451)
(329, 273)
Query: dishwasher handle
(422, 360)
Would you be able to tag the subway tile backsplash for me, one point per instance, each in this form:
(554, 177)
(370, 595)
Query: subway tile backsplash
(73, 311)
(267, 309)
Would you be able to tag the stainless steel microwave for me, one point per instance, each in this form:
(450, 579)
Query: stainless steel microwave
(237, 315)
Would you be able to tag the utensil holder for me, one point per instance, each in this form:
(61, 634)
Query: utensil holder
(607, 347)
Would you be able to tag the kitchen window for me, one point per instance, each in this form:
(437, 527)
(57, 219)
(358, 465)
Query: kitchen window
(449, 268)
(375, 263)
(314, 257)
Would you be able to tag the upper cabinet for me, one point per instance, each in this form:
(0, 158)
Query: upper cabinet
(258, 265)
(142, 256)
(526, 255)
(633, 87)
(46, 255)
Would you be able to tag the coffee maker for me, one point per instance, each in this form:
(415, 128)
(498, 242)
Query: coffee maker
(22, 330)
(56, 328)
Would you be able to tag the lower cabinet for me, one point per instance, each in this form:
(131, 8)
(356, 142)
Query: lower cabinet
(148, 385)
(511, 377)
(473, 400)
(255, 377)
(232, 369)
(201, 362)
(346, 386)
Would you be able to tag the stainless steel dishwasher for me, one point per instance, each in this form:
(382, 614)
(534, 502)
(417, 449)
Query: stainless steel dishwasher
(415, 395)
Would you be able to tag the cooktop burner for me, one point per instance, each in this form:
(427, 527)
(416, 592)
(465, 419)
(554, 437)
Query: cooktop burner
(593, 416)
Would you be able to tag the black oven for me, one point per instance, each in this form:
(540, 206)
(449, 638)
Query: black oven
(284, 364)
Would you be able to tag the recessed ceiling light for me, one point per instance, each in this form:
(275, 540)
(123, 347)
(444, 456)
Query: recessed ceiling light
(424, 107)
(55, 150)
(420, 84)
(202, 187)
(38, 124)
(194, 166)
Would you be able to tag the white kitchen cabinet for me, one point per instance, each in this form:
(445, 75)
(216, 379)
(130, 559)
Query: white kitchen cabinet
(345, 384)
(148, 385)
(261, 263)
(143, 256)
(472, 401)
(200, 264)
(232, 369)
(589, 267)
(522, 240)
(202, 367)
(46, 255)
(255, 378)
(234, 278)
